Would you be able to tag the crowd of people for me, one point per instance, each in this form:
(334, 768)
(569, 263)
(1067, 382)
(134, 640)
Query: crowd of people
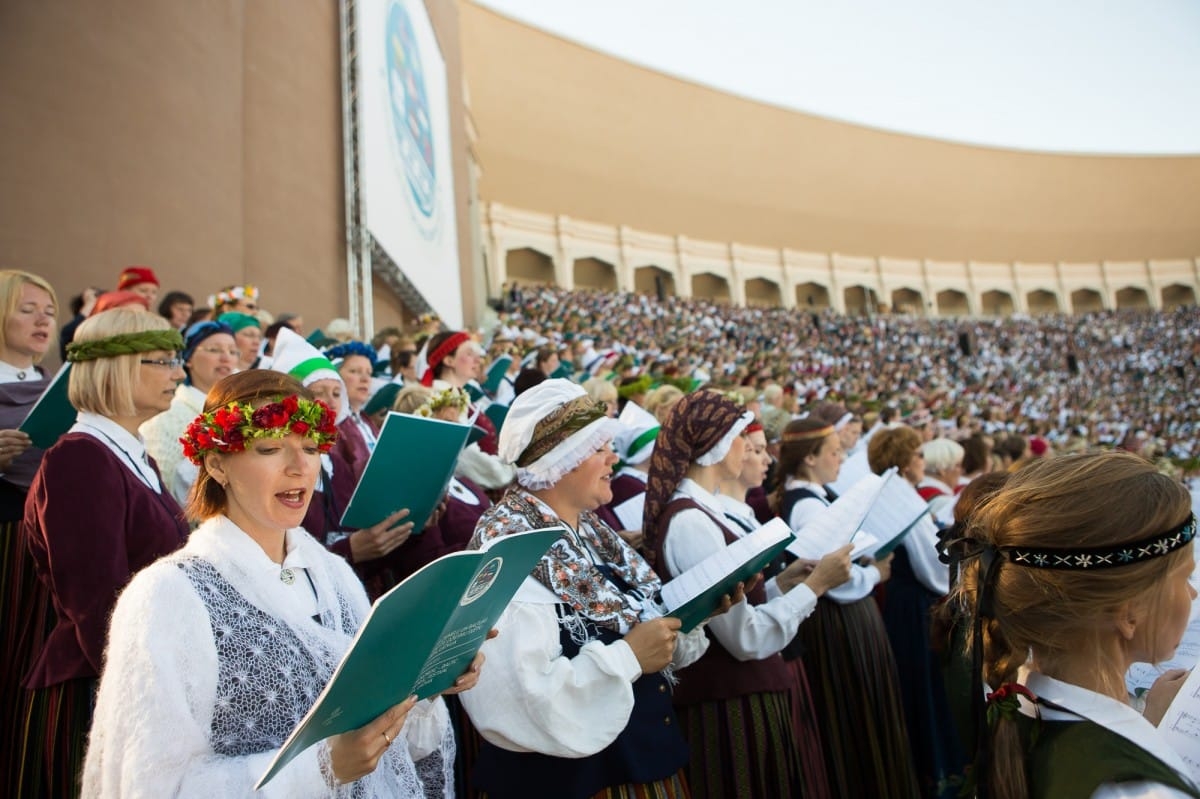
(178, 585)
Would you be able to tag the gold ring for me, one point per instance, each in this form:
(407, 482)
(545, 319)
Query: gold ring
(386, 737)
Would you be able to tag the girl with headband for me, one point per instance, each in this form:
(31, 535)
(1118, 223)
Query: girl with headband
(453, 360)
(733, 703)
(215, 653)
(845, 643)
(97, 512)
(1111, 540)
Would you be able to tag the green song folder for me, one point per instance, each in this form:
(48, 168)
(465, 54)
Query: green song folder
(495, 373)
(53, 414)
(410, 467)
(692, 596)
(419, 637)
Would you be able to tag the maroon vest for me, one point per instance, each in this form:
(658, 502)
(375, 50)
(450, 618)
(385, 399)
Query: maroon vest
(719, 675)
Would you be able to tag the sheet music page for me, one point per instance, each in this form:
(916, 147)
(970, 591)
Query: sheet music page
(630, 511)
(836, 525)
(1141, 676)
(710, 571)
(810, 549)
(1180, 727)
(895, 509)
(854, 468)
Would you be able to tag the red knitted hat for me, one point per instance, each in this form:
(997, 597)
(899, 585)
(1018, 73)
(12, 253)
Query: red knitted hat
(133, 275)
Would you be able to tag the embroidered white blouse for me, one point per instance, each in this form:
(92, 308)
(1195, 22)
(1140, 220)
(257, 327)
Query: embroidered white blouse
(530, 698)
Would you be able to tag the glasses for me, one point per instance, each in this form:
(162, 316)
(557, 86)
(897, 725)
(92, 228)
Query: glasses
(170, 363)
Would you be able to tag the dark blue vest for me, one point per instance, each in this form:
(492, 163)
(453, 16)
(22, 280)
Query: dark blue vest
(650, 748)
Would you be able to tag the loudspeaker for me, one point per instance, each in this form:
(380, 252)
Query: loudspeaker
(660, 288)
(964, 343)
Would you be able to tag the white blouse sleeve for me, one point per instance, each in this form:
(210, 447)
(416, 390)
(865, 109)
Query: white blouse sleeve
(486, 470)
(690, 647)
(530, 698)
(749, 632)
(921, 546)
(150, 730)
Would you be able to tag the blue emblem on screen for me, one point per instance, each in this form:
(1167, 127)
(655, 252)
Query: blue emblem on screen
(410, 110)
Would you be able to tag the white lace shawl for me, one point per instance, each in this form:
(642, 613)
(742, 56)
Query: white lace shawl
(161, 685)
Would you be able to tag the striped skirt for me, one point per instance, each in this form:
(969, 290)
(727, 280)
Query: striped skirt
(742, 747)
(808, 734)
(856, 698)
(26, 619)
(674, 787)
(56, 722)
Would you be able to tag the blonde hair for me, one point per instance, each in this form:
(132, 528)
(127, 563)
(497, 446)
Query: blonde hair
(105, 385)
(11, 281)
(659, 401)
(600, 390)
(1075, 502)
(410, 398)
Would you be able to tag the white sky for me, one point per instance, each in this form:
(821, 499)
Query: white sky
(1094, 76)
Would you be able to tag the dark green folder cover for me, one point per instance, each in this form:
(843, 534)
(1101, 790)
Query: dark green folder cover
(496, 413)
(53, 414)
(474, 392)
(318, 339)
(495, 373)
(696, 610)
(419, 637)
(410, 467)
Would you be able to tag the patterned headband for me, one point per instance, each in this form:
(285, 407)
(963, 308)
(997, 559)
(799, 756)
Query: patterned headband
(124, 344)
(1077, 559)
(558, 425)
(808, 435)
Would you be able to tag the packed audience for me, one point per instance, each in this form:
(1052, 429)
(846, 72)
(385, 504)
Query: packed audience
(178, 584)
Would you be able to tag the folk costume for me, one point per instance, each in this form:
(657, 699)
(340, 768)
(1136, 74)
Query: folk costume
(563, 707)
(844, 644)
(97, 512)
(183, 709)
(25, 624)
(918, 583)
(805, 727)
(1078, 744)
(734, 702)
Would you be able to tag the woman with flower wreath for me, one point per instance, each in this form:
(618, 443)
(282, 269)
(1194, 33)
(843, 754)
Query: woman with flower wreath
(216, 652)
(96, 513)
(453, 360)
(1110, 539)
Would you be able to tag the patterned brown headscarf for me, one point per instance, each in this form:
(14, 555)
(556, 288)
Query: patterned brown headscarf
(695, 424)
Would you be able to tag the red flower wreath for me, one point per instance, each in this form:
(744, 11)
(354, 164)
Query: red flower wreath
(227, 429)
